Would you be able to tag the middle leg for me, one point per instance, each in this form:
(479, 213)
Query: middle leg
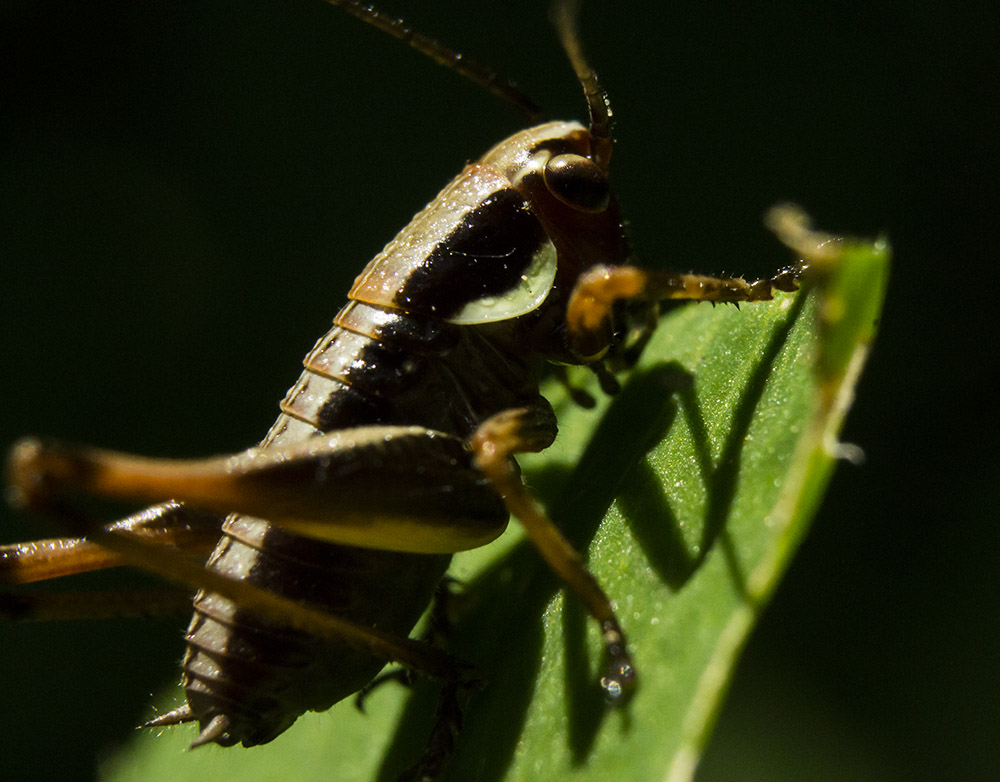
(494, 445)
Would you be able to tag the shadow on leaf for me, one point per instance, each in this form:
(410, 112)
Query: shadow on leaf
(501, 629)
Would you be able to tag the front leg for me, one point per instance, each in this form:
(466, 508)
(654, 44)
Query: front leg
(589, 310)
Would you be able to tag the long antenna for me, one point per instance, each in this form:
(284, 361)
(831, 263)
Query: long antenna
(455, 61)
(566, 16)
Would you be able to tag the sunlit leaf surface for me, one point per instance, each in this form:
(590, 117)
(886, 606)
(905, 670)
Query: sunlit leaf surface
(688, 493)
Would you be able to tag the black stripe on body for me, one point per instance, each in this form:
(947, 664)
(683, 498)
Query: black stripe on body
(421, 335)
(359, 368)
(330, 403)
(381, 369)
(379, 366)
(483, 256)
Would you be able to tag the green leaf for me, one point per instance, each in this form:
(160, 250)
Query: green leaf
(688, 493)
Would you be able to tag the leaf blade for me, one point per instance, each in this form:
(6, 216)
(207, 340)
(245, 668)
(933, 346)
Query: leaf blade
(688, 493)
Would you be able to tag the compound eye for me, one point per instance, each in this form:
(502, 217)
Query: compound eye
(578, 182)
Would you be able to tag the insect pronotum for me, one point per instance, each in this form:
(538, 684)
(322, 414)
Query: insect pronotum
(395, 448)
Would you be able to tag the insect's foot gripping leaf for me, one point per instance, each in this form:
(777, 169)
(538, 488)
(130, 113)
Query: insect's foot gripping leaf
(619, 680)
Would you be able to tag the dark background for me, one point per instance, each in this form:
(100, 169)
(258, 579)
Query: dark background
(188, 189)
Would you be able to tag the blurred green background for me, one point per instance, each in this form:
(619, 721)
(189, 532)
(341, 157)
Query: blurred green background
(189, 188)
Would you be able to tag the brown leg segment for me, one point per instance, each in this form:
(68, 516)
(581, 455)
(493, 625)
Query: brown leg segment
(330, 488)
(530, 430)
(169, 524)
(588, 313)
